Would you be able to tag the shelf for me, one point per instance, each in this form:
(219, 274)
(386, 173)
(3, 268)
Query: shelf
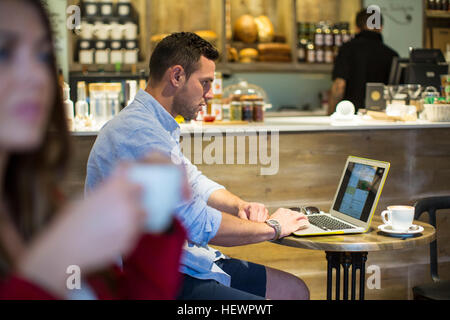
(437, 14)
(108, 68)
(233, 67)
(230, 67)
(104, 76)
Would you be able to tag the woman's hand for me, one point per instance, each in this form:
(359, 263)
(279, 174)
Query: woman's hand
(90, 234)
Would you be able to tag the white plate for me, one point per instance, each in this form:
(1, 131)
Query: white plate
(388, 229)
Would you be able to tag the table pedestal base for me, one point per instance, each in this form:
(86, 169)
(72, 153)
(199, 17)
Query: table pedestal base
(355, 260)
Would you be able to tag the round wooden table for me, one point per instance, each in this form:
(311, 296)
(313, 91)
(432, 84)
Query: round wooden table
(351, 251)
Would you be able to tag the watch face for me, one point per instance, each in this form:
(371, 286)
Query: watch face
(276, 225)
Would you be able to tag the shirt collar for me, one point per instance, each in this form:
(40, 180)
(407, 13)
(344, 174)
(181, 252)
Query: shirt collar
(157, 110)
(373, 35)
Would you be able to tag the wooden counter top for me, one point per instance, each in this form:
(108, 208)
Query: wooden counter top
(300, 124)
(373, 240)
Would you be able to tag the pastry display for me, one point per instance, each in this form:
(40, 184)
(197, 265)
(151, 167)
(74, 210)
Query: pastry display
(248, 55)
(246, 29)
(265, 29)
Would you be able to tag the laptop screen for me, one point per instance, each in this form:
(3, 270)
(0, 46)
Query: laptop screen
(358, 190)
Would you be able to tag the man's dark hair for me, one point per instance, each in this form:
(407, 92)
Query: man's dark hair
(182, 48)
(362, 17)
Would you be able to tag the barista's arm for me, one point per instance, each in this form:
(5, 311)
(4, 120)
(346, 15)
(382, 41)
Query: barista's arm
(337, 94)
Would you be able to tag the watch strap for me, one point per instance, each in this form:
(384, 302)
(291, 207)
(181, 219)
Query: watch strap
(276, 226)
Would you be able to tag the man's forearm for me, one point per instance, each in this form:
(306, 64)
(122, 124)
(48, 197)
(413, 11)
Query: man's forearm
(225, 201)
(336, 94)
(237, 232)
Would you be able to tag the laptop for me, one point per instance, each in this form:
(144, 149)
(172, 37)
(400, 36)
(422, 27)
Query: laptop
(355, 201)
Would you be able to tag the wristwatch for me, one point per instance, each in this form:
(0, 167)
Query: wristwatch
(276, 225)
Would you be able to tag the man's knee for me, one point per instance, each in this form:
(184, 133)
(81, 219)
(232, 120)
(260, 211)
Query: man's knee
(285, 286)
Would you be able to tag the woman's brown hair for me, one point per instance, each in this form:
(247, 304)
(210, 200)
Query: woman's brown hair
(32, 178)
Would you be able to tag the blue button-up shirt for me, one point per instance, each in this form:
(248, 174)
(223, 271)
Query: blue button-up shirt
(145, 126)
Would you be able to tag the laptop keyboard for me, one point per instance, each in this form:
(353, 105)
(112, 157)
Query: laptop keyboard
(327, 223)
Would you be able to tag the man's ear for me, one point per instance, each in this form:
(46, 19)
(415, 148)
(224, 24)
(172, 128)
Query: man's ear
(177, 76)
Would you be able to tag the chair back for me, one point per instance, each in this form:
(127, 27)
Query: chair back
(431, 205)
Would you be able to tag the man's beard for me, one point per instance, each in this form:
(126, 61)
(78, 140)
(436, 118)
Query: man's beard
(182, 107)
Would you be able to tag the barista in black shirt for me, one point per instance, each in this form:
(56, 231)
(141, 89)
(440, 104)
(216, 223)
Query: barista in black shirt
(364, 59)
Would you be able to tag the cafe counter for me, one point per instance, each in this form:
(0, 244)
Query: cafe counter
(300, 124)
(288, 162)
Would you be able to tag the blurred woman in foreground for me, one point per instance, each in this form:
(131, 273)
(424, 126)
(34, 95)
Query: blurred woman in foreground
(40, 237)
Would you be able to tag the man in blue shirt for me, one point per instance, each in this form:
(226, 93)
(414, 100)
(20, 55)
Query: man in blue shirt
(181, 74)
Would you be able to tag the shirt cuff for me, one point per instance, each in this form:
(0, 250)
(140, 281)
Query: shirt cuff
(208, 194)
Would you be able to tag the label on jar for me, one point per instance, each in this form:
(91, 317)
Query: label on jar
(319, 55)
(311, 56)
(216, 110)
(338, 40)
(217, 86)
(329, 40)
(318, 40)
(201, 114)
(329, 56)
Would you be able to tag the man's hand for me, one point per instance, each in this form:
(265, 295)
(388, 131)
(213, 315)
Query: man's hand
(253, 211)
(290, 221)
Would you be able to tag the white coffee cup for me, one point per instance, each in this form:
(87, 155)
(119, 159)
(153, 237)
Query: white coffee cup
(162, 192)
(400, 218)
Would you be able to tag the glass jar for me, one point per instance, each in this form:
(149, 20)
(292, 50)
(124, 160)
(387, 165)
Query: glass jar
(226, 112)
(258, 111)
(247, 111)
(235, 111)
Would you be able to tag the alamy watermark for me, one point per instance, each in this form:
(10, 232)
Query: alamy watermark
(73, 21)
(231, 147)
(73, 281)
(374, 20)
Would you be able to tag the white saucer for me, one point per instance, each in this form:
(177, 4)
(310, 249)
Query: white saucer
(388, 229)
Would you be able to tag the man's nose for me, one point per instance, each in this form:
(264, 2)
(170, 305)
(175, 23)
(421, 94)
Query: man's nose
(209, 94)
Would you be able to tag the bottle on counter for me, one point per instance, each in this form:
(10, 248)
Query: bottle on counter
(302, 42)
(329, 43)
(328, 35)
(68, 106)
(310, 31)
(319, 43)
(112, 91)
(319, 35)
(131, 90)
(337, 39)
(99, 104)
(81, 106)
(310, 53)
(216, 103)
